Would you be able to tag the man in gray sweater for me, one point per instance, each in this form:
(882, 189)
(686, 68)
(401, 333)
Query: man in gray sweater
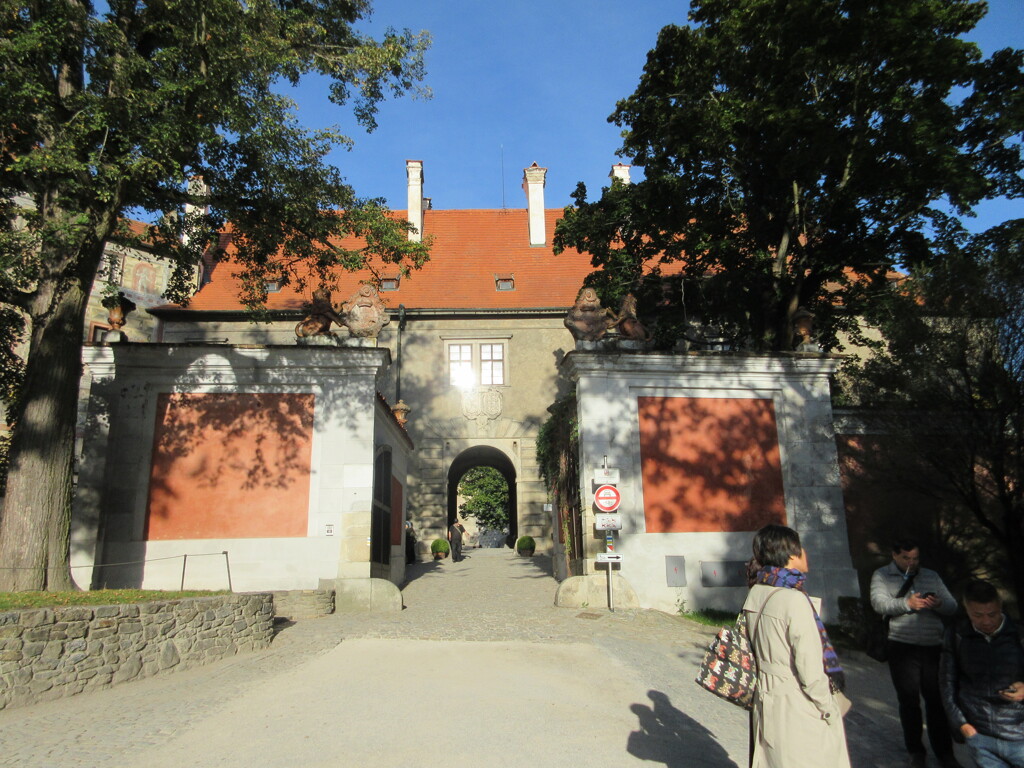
(914, 599)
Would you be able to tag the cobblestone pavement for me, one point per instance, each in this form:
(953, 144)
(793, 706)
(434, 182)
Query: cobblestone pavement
(612, 688)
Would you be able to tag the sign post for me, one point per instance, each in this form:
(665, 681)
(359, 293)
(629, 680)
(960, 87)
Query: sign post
(607, 499)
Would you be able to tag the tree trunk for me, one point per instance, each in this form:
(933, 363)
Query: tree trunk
(36, 523)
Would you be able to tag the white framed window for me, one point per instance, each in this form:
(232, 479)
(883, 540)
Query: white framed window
(477, 362)
(492, 364)
(460, 365)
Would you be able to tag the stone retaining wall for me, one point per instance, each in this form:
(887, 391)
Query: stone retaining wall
(51, 653)
(304, 603)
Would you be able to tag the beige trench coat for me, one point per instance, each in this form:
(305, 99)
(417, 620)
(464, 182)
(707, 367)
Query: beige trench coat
(796, 719)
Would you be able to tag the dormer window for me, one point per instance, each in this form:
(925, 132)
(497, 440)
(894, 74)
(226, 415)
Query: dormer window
(273, 286)
(505, 282)
(389, 283)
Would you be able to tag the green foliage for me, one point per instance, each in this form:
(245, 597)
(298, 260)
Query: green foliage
(13, 601)
(558, 460)
(792, 158)
(709, 617)
(439, 546)
(525, 544)
(946, 385)
(106, 109)
(486, 495)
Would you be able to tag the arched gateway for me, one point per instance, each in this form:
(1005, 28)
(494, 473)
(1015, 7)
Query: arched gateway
(483, 456)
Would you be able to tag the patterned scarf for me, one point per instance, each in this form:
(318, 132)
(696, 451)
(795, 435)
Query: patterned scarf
(790, 578)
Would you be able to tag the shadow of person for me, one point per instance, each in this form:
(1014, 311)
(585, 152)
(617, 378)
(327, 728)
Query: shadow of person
(668, 736)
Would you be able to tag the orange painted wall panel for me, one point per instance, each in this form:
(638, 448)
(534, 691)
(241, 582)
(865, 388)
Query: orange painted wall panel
(709, 464)
(230, 466)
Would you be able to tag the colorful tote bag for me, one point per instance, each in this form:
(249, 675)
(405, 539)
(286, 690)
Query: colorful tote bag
(729, 669)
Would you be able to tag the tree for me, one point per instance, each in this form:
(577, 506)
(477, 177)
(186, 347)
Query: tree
(106, 109)
(486, 497)
(794, 152)
(947, 387)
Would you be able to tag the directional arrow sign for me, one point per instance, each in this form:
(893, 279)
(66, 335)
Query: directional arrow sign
(607, 498)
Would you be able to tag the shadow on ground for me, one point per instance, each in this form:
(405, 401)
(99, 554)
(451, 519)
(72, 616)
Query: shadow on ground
(667, 735)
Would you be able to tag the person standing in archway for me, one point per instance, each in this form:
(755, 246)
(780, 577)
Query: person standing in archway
(455, 533)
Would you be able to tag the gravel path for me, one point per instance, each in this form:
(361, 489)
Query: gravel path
(479, 669)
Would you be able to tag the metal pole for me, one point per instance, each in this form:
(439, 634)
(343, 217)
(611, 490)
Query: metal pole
(227, 564)
(184, 562)
(611, 606)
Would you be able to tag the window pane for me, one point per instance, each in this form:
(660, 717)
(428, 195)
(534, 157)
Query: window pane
(492, 369)
(460, 365)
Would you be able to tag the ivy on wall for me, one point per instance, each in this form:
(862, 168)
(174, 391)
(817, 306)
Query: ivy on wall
(558, 458)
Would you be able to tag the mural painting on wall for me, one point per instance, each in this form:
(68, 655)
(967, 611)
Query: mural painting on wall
(709, 464)
(230, 466)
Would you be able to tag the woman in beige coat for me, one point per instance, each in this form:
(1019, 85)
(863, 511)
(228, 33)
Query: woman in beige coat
(796, 718)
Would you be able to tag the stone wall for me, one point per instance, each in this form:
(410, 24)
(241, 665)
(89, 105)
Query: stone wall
(51, 653)
(303, 603)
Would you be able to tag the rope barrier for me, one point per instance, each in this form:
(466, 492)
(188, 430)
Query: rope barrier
(184, 564)
(104, 565)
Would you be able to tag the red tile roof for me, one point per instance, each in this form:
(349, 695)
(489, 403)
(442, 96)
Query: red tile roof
(470, 248)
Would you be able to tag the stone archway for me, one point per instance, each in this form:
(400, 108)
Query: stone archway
(483, 456)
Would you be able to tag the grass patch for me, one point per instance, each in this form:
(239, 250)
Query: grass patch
(710, 617)
(13, 601)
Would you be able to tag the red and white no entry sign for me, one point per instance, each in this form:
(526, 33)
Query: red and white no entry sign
(607, 498)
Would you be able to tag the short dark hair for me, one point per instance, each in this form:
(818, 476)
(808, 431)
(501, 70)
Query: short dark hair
(904, 544)
(978, 591)
(775, 544)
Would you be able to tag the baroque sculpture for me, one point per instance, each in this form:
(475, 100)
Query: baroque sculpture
(587, 320)
(630, 328)
(365, 313)
(321, 314)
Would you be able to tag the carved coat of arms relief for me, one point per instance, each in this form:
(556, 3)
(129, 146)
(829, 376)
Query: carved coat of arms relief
(481, 404)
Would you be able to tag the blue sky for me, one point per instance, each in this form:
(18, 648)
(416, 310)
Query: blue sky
(520, 82)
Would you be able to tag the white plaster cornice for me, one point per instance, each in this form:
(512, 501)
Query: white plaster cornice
(239, 364)
(626, 365)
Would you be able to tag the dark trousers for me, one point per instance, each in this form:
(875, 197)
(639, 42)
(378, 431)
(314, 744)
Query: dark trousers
(456, 549)
(915, 675)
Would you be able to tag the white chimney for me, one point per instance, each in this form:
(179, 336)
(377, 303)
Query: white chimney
(414, 170)
(197, 187)
(533, 185)
(620, 171)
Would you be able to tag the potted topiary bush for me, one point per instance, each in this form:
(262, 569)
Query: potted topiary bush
(439, 548)
(525, 546)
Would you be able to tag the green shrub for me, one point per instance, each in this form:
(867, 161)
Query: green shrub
(524, 543)
(439, 545)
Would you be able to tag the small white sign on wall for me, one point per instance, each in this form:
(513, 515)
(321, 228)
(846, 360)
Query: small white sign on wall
(609, 475)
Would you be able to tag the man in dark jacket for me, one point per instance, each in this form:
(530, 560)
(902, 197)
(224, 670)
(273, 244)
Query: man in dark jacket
(915, 601)
(982, 680)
